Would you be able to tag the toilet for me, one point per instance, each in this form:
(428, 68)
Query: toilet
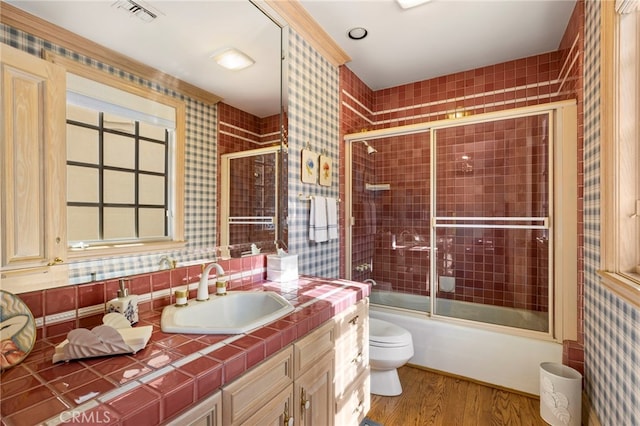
(390, 347)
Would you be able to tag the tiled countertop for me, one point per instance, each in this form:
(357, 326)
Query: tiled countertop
(173, 372)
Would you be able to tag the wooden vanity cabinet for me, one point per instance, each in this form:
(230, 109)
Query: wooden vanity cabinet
(296, 383)
(33, 172)
(314, 375)
(319, 380)
(352, 385)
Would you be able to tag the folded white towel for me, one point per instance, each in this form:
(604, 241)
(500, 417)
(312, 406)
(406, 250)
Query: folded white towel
(332, 218)
(312, 219)
(318, 220)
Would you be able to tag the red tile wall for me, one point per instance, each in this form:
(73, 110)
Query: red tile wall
(513, 84)
(354, 119)
(156, 287)
(539, 79)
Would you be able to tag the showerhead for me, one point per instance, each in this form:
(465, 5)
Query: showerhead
(370, 149)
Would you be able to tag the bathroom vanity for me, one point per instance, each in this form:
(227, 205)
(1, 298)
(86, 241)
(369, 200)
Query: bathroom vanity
(311, 364)
(321, 379)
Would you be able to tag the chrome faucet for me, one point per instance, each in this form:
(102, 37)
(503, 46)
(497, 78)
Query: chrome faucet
(203, 286)
(371, 281)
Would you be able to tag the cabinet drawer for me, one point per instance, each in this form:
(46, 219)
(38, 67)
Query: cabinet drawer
(352, 345)
(356, 402)
(351, 362)
(255, 388)
(309, 350)
(354, 319)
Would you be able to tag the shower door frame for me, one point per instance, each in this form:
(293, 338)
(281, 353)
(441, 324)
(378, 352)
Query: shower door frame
(533, 223)
(225, 187)
(562, 222)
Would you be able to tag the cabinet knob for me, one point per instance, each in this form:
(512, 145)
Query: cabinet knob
(304, 402)
(357, 359)
(288, 420)
(354, 320)
(55, 261)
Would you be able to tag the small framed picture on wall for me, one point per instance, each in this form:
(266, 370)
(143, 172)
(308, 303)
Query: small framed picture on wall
(326, 170)
(309, 172)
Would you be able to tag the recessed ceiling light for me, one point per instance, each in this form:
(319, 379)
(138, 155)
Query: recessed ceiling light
(406, 4)
(357, 33)
(233, 59)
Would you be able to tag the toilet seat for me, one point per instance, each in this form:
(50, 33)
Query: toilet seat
(387, 335)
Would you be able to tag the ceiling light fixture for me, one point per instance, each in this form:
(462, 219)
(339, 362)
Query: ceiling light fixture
(357, 33)
(138, 9)
(233, 59)
(407, 4)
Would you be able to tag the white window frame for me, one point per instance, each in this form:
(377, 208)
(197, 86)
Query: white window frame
(620, 133)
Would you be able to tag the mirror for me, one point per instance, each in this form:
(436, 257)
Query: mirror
(252, 177)
(181, 43)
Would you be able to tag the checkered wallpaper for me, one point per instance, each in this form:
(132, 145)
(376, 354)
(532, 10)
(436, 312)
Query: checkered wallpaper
(313, 108)
(200, 170)
(611, 326)
(314, 111)
(612, 332)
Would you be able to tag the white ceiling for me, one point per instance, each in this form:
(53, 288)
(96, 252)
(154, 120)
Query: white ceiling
(402, 46)
(441, 37)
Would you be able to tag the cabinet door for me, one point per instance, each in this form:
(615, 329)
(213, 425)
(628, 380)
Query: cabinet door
(311, 348)
(276, 412)
(33, 163)
(313, 391)
(257, 388)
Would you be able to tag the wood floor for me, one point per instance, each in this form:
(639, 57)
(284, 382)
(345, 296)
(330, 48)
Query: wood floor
(429, 398)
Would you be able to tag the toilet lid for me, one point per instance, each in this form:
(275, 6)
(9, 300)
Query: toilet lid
(385, 333)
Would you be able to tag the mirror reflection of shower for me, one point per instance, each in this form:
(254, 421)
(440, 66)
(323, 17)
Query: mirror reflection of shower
(370, 149)
(249, 193)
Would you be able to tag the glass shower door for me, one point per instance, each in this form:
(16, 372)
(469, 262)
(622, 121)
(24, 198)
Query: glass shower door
(249, 196)
(491, 224)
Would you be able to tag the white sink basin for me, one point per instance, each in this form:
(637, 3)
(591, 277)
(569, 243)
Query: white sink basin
(236, 312)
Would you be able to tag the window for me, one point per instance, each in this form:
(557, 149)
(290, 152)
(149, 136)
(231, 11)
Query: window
(117, 178)
(125, 155)
(621, 148)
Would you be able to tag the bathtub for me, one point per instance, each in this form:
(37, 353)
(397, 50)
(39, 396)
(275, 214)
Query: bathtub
(490, 356)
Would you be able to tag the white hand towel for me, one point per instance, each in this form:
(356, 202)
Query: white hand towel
(332, 218)
(320, 220)
(312, 219)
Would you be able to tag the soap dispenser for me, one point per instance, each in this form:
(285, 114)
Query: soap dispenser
(125, 304)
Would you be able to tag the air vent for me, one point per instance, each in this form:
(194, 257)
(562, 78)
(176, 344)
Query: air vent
(138, 9)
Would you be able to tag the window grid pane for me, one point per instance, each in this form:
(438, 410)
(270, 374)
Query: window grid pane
(137, 202)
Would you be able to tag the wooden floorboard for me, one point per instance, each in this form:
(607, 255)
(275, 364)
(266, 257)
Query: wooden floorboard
(429, 398)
